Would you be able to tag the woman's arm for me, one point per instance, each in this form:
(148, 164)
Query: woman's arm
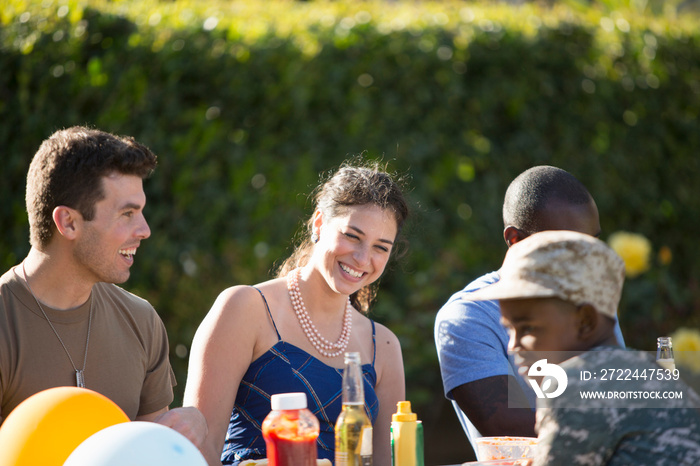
(221, 352)
(390, 389)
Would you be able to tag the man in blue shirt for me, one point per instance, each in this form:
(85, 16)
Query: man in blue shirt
(478, 375)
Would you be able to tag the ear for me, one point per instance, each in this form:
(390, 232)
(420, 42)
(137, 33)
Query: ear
(512, 235)
(317, 222)
(67, 221)
(587, 322)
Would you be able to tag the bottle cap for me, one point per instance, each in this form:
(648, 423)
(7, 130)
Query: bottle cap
(403, 412)
(284, 401)
(661, 341)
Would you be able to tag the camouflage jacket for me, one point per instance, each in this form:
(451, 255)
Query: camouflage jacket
(633, 422)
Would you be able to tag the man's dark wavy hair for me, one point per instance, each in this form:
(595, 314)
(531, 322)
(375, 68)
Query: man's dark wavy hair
(67, 170)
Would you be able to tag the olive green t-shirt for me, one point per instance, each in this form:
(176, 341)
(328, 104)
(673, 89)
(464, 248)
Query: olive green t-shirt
(127, 358)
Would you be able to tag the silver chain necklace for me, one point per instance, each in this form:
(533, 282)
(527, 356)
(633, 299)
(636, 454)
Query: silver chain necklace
(79, 373)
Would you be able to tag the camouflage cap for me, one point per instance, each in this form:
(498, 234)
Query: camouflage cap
(572, 266)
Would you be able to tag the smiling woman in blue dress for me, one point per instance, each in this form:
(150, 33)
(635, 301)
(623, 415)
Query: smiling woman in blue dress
(290, 334)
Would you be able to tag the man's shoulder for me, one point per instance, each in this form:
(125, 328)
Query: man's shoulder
(461, 320)
(12, 291)
(632, 375)
(132, 314)
(124, 300)
(8, 279)
(609, 356)
(481, 282)
(473, 286)
(459, 303)
(603, 362)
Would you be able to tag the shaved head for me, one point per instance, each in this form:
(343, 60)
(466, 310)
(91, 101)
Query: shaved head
(547, 198)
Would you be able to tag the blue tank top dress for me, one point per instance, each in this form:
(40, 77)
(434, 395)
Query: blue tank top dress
(285, 368)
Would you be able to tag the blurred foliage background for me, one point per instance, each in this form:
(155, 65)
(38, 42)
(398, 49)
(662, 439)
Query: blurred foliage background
(246, 103)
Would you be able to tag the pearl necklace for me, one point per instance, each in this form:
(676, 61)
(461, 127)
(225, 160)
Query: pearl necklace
(323, 346)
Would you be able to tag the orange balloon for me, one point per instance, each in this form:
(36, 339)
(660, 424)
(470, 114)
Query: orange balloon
(45, 428)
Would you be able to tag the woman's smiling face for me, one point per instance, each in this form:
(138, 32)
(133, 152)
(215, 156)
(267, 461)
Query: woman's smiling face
(354, 247)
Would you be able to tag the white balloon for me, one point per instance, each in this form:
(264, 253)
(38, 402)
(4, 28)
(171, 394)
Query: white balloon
(136, 443)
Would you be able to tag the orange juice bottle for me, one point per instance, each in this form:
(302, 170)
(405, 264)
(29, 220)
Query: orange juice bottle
(290, 431)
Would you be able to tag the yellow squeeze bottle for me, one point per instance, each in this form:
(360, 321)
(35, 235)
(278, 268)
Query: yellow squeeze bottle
(406, 437)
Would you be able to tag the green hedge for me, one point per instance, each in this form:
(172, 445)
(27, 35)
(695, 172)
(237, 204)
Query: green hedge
(246, 104)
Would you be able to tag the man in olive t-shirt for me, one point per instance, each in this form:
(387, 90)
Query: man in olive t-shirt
(62, 319)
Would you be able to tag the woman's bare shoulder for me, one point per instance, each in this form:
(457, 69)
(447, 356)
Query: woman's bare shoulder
(242, 296)
(385, 335)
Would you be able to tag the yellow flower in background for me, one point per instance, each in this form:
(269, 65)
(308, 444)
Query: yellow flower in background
(665, 255)
(686, 348)
(634, 249)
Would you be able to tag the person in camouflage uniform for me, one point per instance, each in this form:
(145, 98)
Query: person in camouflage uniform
(559, 293)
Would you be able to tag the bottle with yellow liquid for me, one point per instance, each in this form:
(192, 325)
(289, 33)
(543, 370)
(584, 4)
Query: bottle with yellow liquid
(353, 429)
(406, 437)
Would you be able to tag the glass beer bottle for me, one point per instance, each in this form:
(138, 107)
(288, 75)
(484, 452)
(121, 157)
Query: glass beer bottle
(353, 429)
(664, 353)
